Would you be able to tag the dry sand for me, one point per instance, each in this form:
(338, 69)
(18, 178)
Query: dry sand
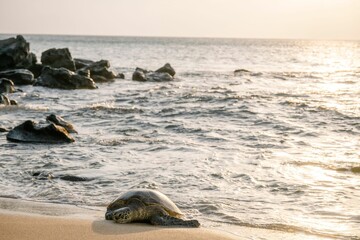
(40, 221)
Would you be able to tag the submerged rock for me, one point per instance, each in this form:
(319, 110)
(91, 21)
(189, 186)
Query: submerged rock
(61, 122)
(58, 58)
(30, 132)
(18, 76)
(15, 53)
(73, 178)
(64, 79)
(238, 71)
(160, 75)
(120, 76)
(6, 86)
(139, 74)
(167, 68)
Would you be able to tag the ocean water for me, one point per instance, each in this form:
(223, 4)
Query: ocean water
(274, 148)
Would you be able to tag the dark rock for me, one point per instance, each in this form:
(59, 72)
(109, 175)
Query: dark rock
(83, 72)
(100, 79)
(139, 75)
(38, 175)
(36, 69)
(244, 72)
(64, 79)
(30, 132)
(80, 63)
(99, 71)
(18, 76)
(2, 129)
(166, 69)
(355, 169)
(6, 86)
(61, 122)
(145, 75)
(58, 58)
(241, 71)
(13, 102)
(120, 76)
(14, 53)
(4, 100)
(158, 77)
(73, 178)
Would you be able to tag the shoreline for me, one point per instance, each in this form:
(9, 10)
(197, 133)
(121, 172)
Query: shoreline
(21, 219)
(26, 219)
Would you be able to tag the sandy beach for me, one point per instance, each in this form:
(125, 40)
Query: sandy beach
(31, 220)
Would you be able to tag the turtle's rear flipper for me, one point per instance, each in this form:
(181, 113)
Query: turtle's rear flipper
(167, 220)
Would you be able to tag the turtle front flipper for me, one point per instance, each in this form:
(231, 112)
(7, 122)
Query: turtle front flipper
(167, 220)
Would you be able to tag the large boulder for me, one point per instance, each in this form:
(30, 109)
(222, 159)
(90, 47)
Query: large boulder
(99, 71)
(15, 53)
(31, 132)
(145, 75)
(64, 79)
(57, 58)
(167, 68)
(19, 76)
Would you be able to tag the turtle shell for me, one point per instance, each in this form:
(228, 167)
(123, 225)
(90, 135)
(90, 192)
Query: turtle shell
(148, 197)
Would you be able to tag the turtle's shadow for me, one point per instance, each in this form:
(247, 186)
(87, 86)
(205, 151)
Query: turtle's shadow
(106, 227)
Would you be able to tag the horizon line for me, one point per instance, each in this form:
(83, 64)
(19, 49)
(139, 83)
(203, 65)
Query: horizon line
(184, 37)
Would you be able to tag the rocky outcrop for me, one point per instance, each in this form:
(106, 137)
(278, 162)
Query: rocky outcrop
(31, 132)
(99, 71)
(19, 76)
(58, 58)
(145, 75)
(15, 53)
(167, 68)
(64, 79)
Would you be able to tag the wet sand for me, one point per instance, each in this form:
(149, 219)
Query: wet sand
(32, 220)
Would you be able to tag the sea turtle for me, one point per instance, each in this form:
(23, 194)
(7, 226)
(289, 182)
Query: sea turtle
(144, 205)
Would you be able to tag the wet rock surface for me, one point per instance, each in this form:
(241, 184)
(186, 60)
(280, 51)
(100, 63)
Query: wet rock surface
(58, 58)
(19, 76)
(15, 53)
(64, 79)
(30, 132)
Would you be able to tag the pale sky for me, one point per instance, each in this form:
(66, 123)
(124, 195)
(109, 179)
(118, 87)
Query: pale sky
(314, 19)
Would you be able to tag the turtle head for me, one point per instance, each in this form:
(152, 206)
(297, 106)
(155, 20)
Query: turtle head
(123, 215)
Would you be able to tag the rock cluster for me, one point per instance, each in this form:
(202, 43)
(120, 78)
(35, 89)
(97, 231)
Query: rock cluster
(57, 69)
(165, 73)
